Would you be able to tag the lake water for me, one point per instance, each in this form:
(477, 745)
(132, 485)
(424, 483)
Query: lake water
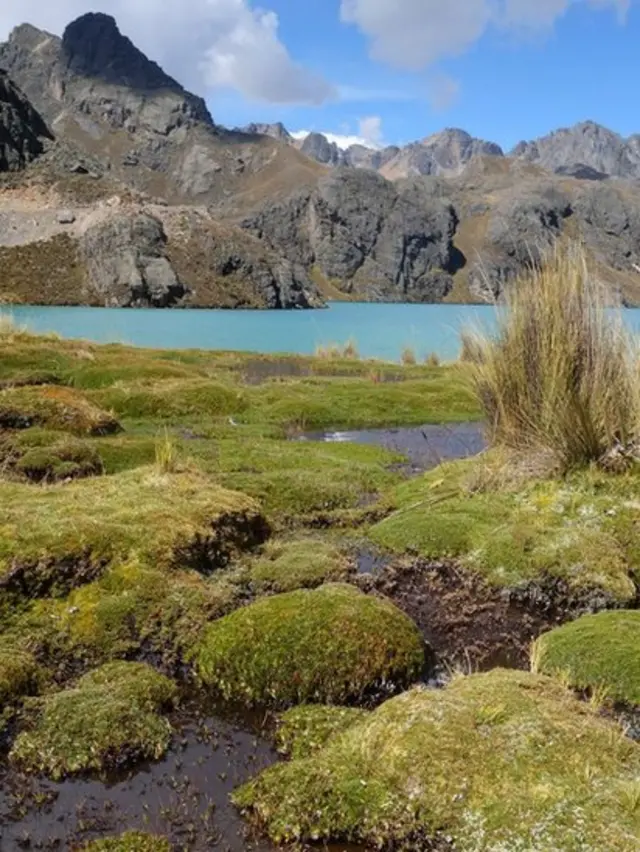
(379, 330)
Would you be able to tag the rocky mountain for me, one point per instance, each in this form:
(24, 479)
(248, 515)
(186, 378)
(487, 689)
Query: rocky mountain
(445, 153)
(99, 92)
(23, 132)
(587, 145)
(124, 191)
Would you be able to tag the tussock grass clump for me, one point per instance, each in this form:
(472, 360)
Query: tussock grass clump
(330, 645)
(131, 841)
(166, 453)
(498, 761)
(408, 356)
(561, 372)
(335, 351)
(600, 653)
(109, 720)
(54, 407)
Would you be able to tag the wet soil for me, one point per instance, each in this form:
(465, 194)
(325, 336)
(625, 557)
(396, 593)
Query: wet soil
(425, 447)
(468, 624)
(184, 797)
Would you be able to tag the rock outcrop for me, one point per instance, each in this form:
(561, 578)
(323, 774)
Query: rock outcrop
(445, 153)
(23, 132)
(366, 236)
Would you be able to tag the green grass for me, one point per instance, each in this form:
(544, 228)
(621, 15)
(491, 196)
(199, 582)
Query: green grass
(580, 528)
(498, 761)
(330, 645)
(561, 373)
(54, 407)
(131, 608)
(59, 536)
(110, 719)
(304, 730)
(40, 455)
(599, 653)
(18, 673)
(298, 564)
(131, 841)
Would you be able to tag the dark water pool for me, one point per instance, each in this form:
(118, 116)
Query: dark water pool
(425, 447)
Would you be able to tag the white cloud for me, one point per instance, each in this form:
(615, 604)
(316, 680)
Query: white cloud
(203, 43)
(414, 34)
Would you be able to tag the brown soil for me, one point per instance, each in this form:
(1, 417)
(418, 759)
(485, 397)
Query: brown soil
(469, 625)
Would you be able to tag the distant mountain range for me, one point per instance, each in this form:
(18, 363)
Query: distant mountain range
(587, 148)
(118, 187)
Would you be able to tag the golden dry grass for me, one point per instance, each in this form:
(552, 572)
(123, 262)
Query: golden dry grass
(560, 374)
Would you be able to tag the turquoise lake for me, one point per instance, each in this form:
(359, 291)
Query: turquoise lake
(379, 330)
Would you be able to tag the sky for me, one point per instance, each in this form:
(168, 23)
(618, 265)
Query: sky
(386, 71)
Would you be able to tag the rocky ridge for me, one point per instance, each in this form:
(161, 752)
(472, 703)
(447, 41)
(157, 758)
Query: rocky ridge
(141, 199)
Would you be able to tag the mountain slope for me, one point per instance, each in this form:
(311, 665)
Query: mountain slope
(98, 91)
(23, 132)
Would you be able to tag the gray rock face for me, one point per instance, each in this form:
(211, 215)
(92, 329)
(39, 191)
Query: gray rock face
(360, 231)
(318, 147)
(586, 144)
(445, 153)
(275, 131)
(22, 129)
(610, 224)
(127, 265)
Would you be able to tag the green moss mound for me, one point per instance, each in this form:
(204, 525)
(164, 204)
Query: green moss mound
(304, 730)
(330, 645)
(499, 761)
(580, 529)
(596, 652)
(54, 407)
(39, 455)
(61, 536)
(108, 720)
(18, 672)
(298, 564)
(131, 841)
(131, 607)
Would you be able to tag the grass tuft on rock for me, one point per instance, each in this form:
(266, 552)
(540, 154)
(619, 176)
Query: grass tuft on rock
(560, 374)
(499, 761)
(60, 536)
(331, 645)
(599, 653)
(54, 407)
(306, 729)
(130, 841)
(298, 564)
(109, 720)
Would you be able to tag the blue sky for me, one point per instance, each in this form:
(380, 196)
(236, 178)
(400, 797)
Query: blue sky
(510, 86)
(504, 70)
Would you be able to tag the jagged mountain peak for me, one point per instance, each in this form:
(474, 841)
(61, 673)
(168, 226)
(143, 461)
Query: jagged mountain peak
(95, 47)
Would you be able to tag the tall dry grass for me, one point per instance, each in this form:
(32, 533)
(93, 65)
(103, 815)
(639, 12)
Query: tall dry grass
(561, 373)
